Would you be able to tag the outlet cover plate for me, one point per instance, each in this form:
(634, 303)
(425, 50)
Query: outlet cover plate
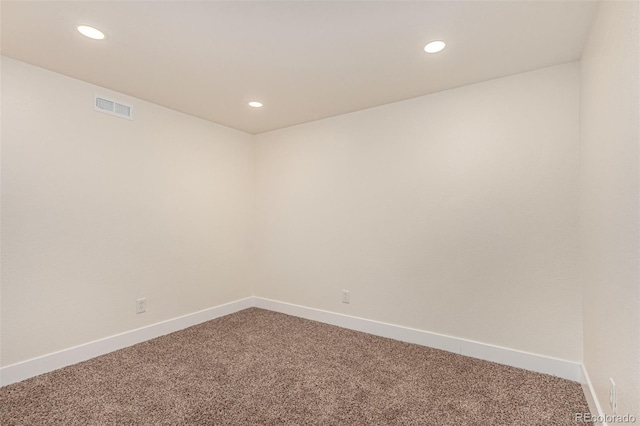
(612, 396)
(141, 305)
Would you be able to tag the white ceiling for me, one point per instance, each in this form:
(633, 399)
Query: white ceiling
(305, 60)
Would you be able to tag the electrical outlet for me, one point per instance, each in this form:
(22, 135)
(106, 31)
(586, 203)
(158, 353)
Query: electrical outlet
(346, 296)
(612, 395)
(141, 305)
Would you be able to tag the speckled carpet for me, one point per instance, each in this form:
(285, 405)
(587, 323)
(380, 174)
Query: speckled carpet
(257, 367)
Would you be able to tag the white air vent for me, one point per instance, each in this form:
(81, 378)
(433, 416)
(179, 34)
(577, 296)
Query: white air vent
(112, 107)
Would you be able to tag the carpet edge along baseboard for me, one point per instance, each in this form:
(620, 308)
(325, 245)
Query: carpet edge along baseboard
(533, 362)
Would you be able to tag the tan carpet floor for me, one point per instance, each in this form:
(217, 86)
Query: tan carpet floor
(257, 367)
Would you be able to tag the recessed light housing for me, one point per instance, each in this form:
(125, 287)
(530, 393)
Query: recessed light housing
(434, 46)
(255, 104)
(91, 32)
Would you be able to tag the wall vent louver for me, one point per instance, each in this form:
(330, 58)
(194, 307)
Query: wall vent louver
(112, 107)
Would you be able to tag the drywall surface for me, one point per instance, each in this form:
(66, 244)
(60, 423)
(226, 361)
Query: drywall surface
(98, 211)
(454, 213)
(610, 248)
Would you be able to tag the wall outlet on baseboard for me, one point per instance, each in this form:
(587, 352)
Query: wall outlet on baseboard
(346, 296)
(612, 395)
(141, 305)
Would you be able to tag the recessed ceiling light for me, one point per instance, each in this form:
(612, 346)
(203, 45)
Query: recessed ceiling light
(91, 32)
(434, 46)
(255, 104)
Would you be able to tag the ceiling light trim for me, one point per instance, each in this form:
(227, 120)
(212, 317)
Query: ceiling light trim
(435, 46)
(90, 32)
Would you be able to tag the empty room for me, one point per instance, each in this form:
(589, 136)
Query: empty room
(320, 212)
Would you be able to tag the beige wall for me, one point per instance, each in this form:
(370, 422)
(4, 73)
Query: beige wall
(610, 136)
(454, 213)
(98, 211)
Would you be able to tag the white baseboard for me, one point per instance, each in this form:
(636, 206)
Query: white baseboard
(43, 364)
(528, 361)
(591, 397)
(533, 362)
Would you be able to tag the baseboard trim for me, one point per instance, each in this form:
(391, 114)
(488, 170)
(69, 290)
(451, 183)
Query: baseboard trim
(590, 395)
(533, 362)
(528, 361)
(53, 361)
